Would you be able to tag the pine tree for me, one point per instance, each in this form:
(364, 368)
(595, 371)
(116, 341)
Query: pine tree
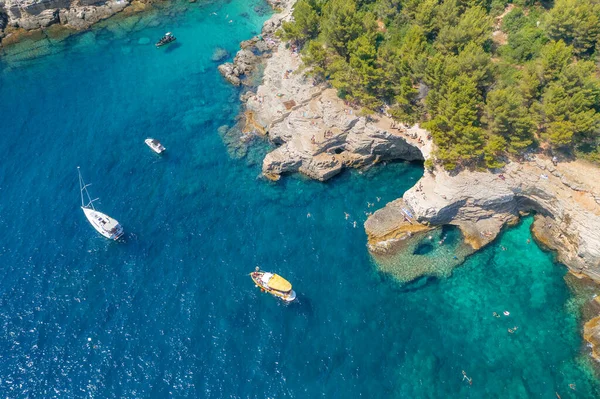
(577, 22)
(305, 25)
(341, 24)
(508, 117)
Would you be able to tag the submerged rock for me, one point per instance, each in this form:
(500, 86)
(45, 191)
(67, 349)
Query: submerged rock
(219, 54)
(591, 333)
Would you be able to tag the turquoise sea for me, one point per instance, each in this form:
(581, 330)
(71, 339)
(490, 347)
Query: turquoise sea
(170, 310)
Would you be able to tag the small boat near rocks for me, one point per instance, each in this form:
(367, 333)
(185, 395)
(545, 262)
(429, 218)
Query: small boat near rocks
(156, 146)
(274, 284)
(166, 39)
(104, 224)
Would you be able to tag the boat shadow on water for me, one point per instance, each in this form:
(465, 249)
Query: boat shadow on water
(302, 305)
(172, 47)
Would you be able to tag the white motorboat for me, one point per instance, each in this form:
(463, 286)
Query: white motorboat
(104, 224)
(156, 146)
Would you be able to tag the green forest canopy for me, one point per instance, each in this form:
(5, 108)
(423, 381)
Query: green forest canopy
(488, 78)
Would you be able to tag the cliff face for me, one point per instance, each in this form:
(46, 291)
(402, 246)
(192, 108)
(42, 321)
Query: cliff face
(566, 198)
(76, 14)
(316, 133)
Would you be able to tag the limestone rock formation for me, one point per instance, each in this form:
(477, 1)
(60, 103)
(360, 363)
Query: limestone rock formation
(318, 135)
(591, 332)
(480, 203)
(243, 64)
(76, 14)
(254, 50)
(318, 138)
(231, 73)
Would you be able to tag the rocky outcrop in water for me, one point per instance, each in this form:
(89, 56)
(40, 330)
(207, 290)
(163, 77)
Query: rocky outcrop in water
(564, 196)
(75, 14)
(253, 51)
(243, 64)
(317, 134)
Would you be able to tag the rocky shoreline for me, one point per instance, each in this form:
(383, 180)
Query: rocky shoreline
(317, 134)
(19, 17)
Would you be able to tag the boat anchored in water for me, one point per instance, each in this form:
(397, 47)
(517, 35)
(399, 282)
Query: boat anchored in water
(104, 224)
(274, 284)
(156, 146)
(166, 39)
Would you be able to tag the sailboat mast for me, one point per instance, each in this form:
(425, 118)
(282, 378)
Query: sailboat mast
(82, 188)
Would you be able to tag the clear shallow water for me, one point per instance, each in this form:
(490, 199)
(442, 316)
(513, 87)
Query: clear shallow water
(170, 311)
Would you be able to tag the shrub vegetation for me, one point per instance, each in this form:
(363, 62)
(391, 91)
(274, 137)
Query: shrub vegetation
(489, 79)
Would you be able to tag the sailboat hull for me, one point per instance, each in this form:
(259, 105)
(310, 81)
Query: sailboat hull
(104, 224)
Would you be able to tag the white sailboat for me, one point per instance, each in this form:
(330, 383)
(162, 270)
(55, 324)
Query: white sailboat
(104, 224)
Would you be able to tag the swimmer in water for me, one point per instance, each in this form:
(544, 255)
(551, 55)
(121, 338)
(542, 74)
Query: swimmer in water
(354, 224)
(347, 215)
(572, 386)
(496, 314)
(510, 330)
(465, 377)
(378, 199)
(308, 215)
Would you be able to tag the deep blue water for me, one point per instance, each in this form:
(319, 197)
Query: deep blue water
(170, 310)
